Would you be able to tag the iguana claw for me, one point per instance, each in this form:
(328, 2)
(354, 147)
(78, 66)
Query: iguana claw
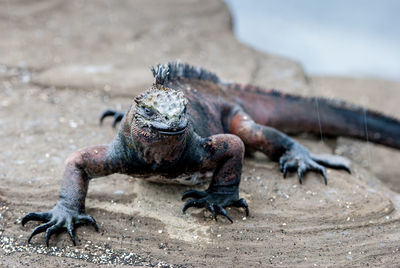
(117, 116)
(57, 219)
(215, 202)
(298, 158)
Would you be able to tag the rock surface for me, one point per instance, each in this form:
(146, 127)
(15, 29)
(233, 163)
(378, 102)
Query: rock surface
(63, 62)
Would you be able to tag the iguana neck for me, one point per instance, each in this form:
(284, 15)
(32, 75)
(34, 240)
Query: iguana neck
(155, 148)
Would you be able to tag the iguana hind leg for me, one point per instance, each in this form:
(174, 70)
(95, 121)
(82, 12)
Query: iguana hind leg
(116, 114)
(291, 155)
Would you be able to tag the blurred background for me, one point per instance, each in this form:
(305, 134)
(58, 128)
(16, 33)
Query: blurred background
(346, 38)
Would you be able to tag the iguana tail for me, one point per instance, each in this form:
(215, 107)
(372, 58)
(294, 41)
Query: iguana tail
(295, 114)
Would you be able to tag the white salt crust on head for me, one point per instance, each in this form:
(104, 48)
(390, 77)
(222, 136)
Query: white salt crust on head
(167, 102)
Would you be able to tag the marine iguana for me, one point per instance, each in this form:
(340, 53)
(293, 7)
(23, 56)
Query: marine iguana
(191, 123)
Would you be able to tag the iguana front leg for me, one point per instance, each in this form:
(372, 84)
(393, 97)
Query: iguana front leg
(69, 211)
(277, 145)
(222, 153)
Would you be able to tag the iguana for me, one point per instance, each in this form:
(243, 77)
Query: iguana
(190, 127)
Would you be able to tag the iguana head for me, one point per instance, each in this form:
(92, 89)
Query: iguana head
(161, 110)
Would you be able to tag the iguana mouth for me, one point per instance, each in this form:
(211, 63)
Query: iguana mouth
(170, 129)
(174, 131)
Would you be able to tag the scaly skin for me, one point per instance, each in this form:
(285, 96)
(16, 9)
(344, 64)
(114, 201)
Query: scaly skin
(184, 124)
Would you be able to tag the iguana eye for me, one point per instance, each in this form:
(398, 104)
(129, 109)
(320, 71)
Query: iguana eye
(148, 111)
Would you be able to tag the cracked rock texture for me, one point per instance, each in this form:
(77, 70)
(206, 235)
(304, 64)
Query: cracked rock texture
(63, 62)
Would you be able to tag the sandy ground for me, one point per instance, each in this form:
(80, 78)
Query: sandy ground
(64, 62)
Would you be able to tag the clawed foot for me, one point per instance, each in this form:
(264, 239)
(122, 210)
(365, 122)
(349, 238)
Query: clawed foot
(298, 158)
(56, 220)
(117, 116)
(215, 202)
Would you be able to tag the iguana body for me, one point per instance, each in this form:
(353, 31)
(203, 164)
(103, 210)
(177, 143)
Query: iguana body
(190, 126)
